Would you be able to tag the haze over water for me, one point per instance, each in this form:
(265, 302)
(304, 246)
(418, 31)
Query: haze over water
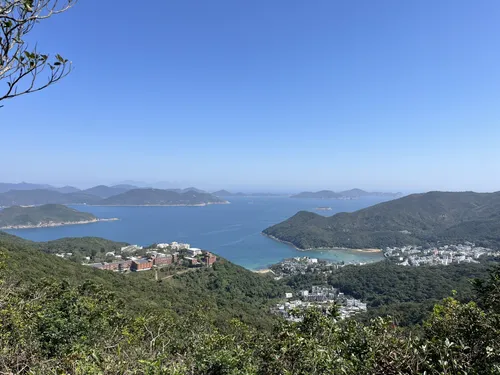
(232, 231)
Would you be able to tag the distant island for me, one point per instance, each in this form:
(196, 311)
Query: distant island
(160, 197)
(419, 219)
(103, 195)
(225, 193)
(49, 215)
(348, 194)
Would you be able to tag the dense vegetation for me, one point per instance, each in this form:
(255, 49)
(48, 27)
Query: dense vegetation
(348, 194)
(419, 219)
(225, 290)
(89, 327)
(139, 197)
(32, 216)
(405, 293)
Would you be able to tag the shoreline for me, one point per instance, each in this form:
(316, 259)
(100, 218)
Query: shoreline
(50, 224)
(156, 205)
(369, 250)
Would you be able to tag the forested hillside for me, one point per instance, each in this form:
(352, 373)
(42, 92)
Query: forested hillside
(418, 219)
(32, 216)
(58, 317)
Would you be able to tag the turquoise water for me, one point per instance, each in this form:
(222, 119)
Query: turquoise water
(233, 231)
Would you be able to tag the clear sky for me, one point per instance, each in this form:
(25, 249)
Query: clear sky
(290, 95)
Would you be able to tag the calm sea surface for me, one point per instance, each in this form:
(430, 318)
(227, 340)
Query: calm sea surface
(233, 230)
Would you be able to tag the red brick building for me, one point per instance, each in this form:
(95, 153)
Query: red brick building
(141, 265)
(163, 261)
(209, 258)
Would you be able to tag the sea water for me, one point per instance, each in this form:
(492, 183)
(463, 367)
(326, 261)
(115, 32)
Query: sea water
(233, 231)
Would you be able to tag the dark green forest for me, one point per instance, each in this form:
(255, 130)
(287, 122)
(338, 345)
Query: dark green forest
(59, 317)
(418, 219)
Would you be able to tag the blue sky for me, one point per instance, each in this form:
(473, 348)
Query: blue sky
(273, 95)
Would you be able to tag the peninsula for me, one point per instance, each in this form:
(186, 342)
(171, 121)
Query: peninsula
(160, 197)
(49, 215)
(419, 219)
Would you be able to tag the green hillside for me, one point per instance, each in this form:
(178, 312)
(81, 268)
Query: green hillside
(226, 290)
(145, 197)
(57, 317)
(415, 219)
(41, 215)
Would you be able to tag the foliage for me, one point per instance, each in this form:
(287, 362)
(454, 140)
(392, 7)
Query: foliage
(21, 216)
(21, 67)
(418, 219)
(52, 326)
(140, 197)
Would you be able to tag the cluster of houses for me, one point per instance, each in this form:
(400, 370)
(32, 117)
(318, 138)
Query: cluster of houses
(303, 265)
(160, 255)
(444, 255)
(320, 297)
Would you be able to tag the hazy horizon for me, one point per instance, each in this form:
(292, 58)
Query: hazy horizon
(382, 96)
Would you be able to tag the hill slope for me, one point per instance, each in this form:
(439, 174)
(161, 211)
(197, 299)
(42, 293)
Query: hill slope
(16, 216)
(43, 196)
(226, 290)
(159, 197)
(416, 219)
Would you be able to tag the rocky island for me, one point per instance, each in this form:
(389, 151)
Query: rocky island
(49, 215)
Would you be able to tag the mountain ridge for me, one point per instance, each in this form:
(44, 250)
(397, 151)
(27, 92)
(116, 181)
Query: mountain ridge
(417, 219)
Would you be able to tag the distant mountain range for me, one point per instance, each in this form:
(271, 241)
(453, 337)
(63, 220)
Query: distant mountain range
(105, 195)
(46, 215)
(348, 194)
(225, 193)
(418, 219)
(4, 187)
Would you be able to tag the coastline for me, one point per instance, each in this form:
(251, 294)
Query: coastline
(52, 224)
(370, 250)
(158, 205)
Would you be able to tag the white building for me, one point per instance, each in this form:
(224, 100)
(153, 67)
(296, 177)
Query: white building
(288, 295)
(130, 248)
(162, 245)
(193, 251)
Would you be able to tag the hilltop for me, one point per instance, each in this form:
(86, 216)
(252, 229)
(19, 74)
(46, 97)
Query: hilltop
(348, 194)
(103, 191)
(46, 215)
(159, 197)
(417, 219)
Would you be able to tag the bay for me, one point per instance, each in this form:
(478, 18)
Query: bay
(233, 231)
